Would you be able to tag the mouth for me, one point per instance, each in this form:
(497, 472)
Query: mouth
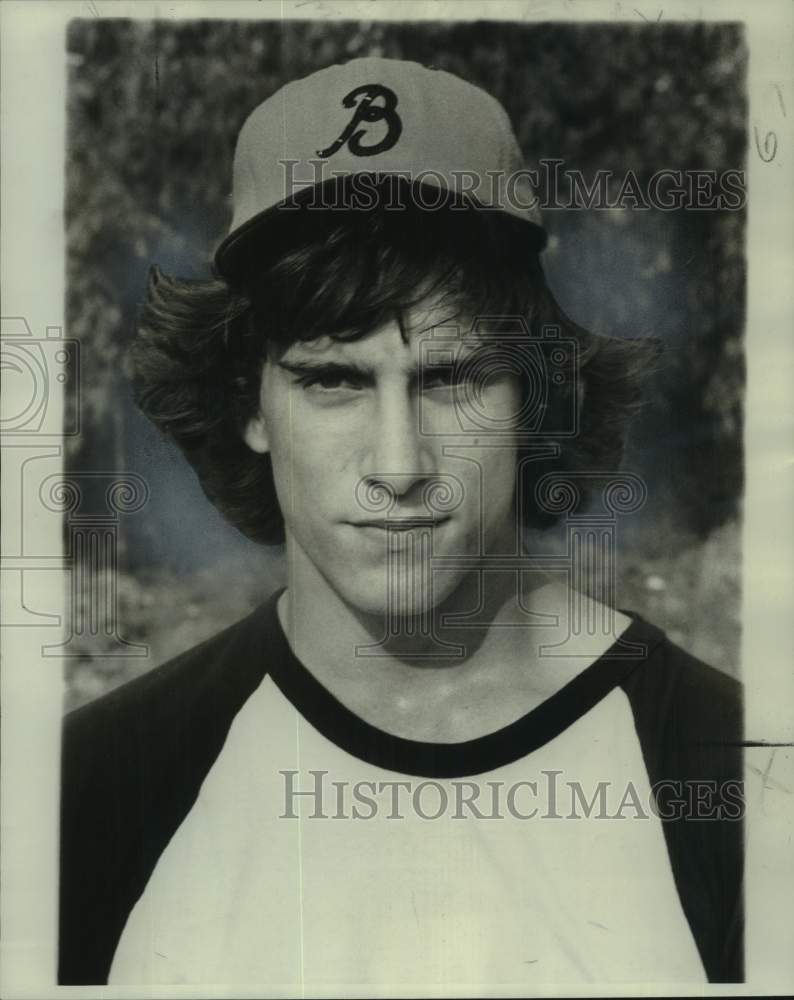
(397, 533)
(400, 523)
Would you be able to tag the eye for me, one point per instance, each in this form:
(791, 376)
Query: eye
(445, 378)
(330, 382)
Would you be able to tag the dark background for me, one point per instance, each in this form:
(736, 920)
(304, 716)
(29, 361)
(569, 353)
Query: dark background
(154, 111)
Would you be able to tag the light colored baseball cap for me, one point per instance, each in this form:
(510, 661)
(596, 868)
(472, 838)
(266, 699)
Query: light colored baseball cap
(327, 134)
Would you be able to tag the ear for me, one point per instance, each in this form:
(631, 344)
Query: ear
(255, 435)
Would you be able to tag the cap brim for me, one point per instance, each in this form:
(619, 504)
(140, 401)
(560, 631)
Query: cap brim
(280, 226)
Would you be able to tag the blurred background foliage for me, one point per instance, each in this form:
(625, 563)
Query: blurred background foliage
(154, 108)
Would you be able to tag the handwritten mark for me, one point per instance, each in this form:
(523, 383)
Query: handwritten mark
(320, 7)
(769, 150)
(658, 18)
(779, 93)
(765, 776)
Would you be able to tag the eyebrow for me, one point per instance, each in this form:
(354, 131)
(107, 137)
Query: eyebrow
(326, 368)
(310, 366)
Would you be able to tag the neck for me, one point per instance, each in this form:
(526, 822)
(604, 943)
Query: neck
(484, 618)
(476, 664)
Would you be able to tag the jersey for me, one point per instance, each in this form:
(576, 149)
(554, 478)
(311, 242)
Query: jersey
(143, 773)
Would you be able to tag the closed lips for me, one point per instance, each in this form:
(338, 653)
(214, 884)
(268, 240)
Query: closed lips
(402, 523)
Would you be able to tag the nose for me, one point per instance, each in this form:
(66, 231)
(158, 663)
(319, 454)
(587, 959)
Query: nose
(398, 456)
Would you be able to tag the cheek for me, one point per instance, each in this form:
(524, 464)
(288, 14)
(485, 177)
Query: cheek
(309, 466)
(488, 478)
(499, 475)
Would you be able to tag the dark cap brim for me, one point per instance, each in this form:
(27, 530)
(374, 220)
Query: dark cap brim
(280, 226)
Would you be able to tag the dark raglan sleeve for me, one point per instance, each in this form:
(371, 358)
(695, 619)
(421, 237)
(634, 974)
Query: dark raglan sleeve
(132, 765)
(689, 720)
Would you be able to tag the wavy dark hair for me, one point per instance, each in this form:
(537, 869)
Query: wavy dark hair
(200, 347)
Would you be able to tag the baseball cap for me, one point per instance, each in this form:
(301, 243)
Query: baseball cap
(317, 140)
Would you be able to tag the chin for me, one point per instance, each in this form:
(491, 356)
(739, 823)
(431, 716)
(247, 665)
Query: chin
(408, 595)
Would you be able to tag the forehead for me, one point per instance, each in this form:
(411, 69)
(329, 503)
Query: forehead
(412, 334)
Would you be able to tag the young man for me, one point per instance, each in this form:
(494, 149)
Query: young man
(361, 784)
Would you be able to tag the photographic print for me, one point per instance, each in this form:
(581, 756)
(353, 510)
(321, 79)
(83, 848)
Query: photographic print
(401, 474)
